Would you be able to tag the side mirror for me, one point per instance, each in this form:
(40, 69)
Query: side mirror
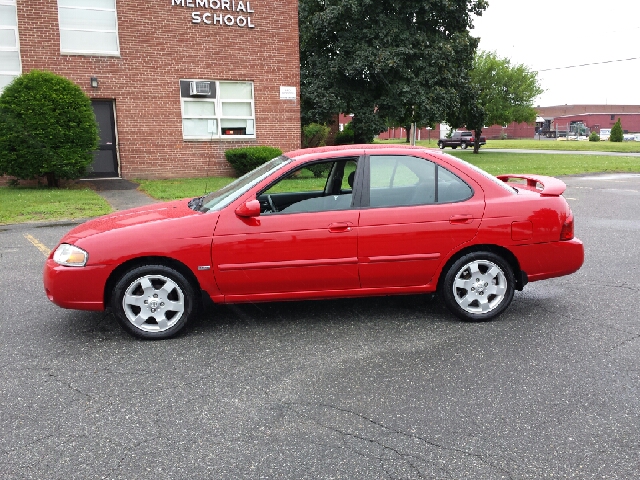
(249, 209)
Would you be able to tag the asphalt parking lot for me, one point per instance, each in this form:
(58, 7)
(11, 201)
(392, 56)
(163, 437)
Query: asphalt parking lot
(389, 387)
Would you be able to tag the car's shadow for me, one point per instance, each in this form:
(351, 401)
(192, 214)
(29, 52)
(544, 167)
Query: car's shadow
(369, 309)
(102, 326)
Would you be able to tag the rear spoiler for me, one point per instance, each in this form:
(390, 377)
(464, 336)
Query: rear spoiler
(545, 186)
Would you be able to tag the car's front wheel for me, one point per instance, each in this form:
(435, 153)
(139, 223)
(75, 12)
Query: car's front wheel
(153, 301)
(478, 286)
(441, 145)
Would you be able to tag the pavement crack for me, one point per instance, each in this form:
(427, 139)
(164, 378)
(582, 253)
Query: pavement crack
(623, 342)
(69, 386)
(406, 456)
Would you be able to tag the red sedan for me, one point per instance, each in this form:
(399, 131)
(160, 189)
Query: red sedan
(323, 223)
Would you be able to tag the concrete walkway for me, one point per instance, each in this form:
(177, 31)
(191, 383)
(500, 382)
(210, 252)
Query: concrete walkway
(562, 152)
(119, 193)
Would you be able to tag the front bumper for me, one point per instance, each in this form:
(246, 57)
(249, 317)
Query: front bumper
(80, 288)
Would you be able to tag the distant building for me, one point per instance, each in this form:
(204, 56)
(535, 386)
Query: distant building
(594, 117)
(553, 119)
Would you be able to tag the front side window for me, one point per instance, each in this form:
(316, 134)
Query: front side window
(213, 110)
(88, 27)
(397, 180)
(10, 66)
(317, 187)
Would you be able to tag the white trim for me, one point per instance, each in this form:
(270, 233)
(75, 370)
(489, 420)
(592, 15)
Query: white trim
(14, 73)
(104, 53)
(218, 117)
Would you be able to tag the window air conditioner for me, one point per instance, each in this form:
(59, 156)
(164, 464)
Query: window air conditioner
(200, 88)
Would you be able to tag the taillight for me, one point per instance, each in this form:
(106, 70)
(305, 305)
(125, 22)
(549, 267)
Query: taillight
(567, 229)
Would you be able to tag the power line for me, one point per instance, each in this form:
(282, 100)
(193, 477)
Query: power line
(588, 64)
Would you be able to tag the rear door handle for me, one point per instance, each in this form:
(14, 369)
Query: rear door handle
(460, 219)
(340, 227)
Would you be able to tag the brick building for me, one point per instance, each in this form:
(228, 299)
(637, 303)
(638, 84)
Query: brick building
(173, 83)
(594, 117)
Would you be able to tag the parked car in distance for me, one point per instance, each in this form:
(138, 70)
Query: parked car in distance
(460, 139)
(382, 220)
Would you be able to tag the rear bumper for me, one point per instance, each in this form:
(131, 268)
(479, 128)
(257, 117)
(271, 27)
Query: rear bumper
(549, 260)
(80, 288)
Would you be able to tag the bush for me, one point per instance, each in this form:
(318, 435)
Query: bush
(346, 136)
(245, 159)
(47, 128)
(616, 132)
(318, 169)
(314, 135)
(594, 137)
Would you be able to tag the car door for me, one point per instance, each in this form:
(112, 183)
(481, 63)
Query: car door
(414, 213)
(305, 239)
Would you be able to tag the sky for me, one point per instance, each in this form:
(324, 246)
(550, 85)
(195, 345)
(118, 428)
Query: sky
(550, 35)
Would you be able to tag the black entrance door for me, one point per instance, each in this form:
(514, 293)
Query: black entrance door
(105, 159)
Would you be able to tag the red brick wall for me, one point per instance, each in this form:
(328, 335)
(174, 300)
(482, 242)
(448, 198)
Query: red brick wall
(159, 45)
(512, 130)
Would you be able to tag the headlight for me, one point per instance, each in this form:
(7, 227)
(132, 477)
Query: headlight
(70, 255)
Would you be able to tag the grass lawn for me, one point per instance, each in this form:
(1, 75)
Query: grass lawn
(176, 188)
(530, 144)
(194, 187)
(498, 163)
(22, 204)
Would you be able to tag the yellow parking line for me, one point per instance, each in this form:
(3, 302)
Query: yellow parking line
(36, 243)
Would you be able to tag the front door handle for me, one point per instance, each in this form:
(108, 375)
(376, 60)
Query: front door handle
(460, 219)
(340, 227)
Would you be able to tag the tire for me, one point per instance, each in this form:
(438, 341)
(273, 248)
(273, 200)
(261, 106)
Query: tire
(441, 145)
(153, 301)
(478, 286)
(464, 146)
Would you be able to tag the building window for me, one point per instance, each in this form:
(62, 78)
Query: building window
(10, 66)
(613, 117)
(88, 27)
(213, 110)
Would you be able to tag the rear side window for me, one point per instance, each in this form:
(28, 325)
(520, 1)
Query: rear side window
(451, 188)
(399, 180)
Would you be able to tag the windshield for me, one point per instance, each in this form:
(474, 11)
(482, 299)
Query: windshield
(223, 197)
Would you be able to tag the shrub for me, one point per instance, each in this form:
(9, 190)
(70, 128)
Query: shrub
(616, 132)
(318, 169)
(346, 136)
(47, 128)
(245, 159)
(594, 137)
(314, 135)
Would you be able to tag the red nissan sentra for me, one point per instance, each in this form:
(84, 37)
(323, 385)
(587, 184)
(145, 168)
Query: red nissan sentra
(380, 220)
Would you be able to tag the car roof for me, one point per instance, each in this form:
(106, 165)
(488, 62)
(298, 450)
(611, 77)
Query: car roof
(354, 150)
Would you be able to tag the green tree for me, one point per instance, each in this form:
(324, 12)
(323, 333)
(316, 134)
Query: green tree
(385, 62)
(616, 132)
(47, 128)
(496, 93)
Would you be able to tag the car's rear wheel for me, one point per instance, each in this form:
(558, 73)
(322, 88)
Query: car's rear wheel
(478, 286)
(153, 301)
(464, 146)
(441, 145)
